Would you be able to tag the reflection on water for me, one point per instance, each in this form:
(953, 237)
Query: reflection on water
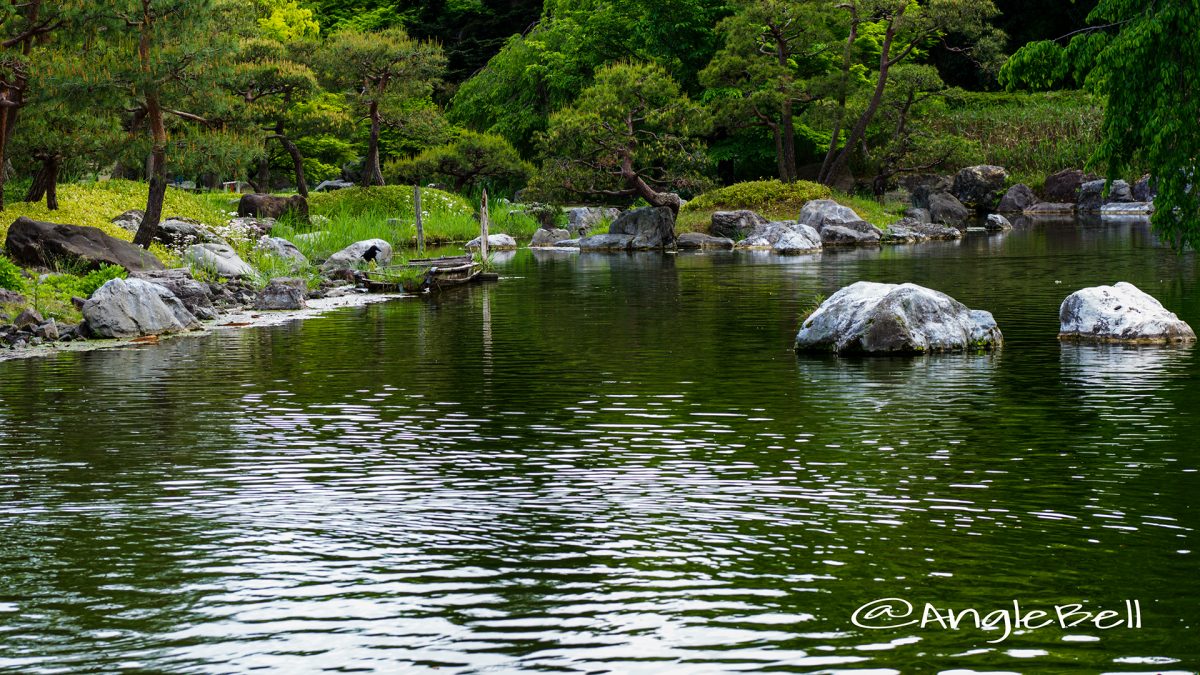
(612, 463)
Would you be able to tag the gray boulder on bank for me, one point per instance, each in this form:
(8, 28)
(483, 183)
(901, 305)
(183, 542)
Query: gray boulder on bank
(179, 233)
(496, 242)
(1145, 189)
(127, 308)
(980, 187)
(1120, 313)
(735, 224)
(945, 208)
(918, 214)
(130, 221)
(282, 294)
(33, 243)
(365, 251)
(270, 206)
(1063, 187)
(786, 236)
(911, 231)
(1050, 208)
(219, 259)
(652, 227)
(1018, 198)
(818, 212)
(701, 241)
(282, 248)
(607, 242)
(834, 233)
(584, 219)
(1091, 195)
(195, 296)
(997, 223)
(872, 318)
(546, 238)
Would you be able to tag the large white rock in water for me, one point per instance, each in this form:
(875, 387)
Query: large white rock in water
(871, 318)
(496, 242)
(783, 236)
(125, 308)
(1119, 313)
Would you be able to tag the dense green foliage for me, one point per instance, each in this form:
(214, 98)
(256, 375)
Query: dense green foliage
(471, 160)
(631, 134)
(592, 100)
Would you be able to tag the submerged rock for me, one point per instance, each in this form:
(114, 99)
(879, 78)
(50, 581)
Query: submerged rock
(496, 242)
(1120, 313)
(872, 318)
(220, 259)
(607, 242)
(282, 293)
(125, 308)
(699, 240)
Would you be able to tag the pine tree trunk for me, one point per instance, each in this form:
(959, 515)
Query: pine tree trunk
(52, 172)
(372, 173)
(788, 132)
(45, 183)
(297, 164)
(158, 174)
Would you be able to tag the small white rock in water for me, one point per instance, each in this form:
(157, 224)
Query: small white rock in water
(871, 318)
(1120, 313)
(496, 242)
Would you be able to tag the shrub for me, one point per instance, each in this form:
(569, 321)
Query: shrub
(10, 276)
(762, 196)
(771, 198)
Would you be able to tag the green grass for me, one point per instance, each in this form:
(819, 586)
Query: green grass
(51, 295)
(364, 213)
(770, 198)
(96, 204)
(1031, 135)
(776, 201)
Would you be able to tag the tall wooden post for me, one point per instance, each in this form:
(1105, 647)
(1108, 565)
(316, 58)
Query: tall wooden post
(483, 228)
(420, 223)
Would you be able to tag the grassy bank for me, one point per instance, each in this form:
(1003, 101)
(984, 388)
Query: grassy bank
(1031, 135)
(777, 201)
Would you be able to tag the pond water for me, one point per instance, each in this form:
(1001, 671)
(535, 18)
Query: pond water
(615, 464)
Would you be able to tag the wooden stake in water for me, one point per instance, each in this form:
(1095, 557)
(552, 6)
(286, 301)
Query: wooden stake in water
(483, 228)
(420, 223)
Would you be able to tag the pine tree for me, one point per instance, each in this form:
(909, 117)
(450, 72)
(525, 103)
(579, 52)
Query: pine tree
(382, 74)
(22, 25)
(174, 56)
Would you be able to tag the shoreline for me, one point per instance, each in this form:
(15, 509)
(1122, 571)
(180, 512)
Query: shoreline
(236, 320)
